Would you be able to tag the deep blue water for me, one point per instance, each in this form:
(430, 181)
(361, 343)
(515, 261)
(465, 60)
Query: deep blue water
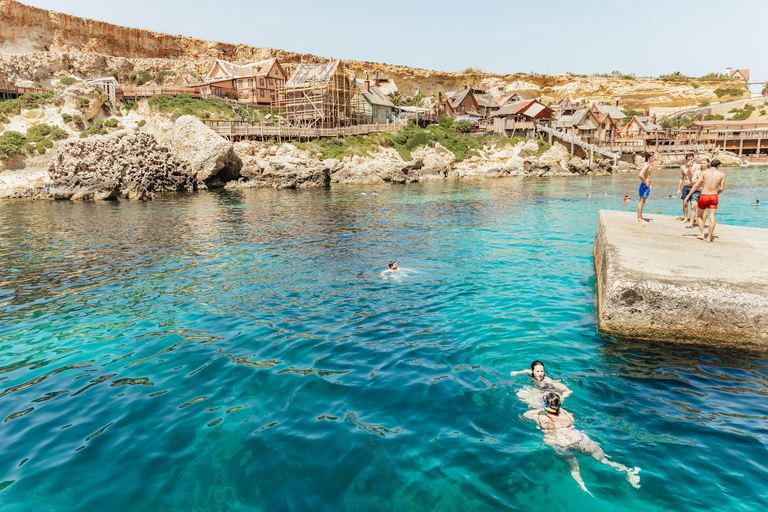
(240, 351)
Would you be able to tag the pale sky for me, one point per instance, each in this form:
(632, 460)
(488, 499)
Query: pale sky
(647, 38)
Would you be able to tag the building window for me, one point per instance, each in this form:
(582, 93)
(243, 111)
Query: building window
(471, 109)
(270, 81)
(262, 93)
(261, 82)
(462, 108)
(275, 72)
(250, 82)
(239, 83)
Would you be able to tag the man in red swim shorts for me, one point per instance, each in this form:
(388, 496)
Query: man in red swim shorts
(712, 182)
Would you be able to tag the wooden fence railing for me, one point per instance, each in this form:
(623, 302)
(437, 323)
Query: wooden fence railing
(238, 129)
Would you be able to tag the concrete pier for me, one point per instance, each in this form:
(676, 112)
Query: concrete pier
(660, 282)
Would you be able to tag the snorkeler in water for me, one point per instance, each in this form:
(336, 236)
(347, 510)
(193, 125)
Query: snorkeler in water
(540, 380)
(559, 433)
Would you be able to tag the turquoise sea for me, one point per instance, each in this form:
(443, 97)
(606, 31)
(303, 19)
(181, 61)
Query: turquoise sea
(239, 350)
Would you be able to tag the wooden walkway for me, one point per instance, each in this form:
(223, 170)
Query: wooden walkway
(238, 130)
(10, 91)
(573, 140)
(147, 92)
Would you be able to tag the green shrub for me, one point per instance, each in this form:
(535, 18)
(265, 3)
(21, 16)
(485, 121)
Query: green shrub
(184, 104)
(83, 103)
(130, 104)
(446, 122)
(762, 112)
(78, 122)
(57, 133)
(704, 104)
(68, 80)
(628, 77)
(13, 143)
(162, 74)
(26, 101)
(716, 77)
(463, 126)
(42, 145)
(728, 91)
(111, 123)
(142, 123)
(96, 128)
(141, 77)
(118, 113)
(66, 117)
(37, 84)
(4, 118)
(695, 86)
(743, 114)
(472, 71)
(714, 117)
(631, 113)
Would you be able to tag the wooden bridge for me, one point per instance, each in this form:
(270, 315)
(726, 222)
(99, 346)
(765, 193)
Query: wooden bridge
(576, 141)
(239, 130)
(148, 92)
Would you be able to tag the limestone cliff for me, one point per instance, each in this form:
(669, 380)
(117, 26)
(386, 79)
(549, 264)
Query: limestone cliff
(34, 32)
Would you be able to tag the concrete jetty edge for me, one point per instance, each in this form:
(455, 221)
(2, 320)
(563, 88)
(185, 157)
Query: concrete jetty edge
(660, 282)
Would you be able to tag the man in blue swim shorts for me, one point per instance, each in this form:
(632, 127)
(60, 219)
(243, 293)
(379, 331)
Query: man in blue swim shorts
(645, 185)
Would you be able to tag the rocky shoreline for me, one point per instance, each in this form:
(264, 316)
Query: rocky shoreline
(169, 155)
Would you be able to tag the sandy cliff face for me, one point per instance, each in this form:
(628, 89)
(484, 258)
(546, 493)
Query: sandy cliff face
(25, 29)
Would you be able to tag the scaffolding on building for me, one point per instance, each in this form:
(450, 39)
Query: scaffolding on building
(321, 95)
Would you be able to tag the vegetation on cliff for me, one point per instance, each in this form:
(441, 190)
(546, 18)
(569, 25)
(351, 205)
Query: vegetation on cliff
(184, 104)
(39, 137)
(462, 145)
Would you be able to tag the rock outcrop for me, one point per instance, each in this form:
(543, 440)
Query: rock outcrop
(127, 164)
(280, 167)
(211, 158)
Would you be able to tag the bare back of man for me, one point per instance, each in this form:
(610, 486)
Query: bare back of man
(712, 183)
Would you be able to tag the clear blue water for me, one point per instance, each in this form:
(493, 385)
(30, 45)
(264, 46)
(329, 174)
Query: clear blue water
(240, 351)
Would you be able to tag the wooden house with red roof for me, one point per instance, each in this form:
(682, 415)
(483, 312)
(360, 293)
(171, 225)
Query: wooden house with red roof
(463, 102)
(519, 116)
(742, 74)
(255, 83)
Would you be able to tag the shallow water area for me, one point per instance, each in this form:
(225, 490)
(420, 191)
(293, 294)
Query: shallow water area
(240, 350)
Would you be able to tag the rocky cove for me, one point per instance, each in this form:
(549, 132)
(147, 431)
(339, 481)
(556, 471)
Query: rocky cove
(167, 155)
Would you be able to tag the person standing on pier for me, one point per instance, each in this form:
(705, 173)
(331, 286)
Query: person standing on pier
(684, 184)
(645, 184)
(696, 191)
(712, 182)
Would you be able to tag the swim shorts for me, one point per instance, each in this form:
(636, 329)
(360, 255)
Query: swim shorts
(644, 190)
(686, 189)
(708, 201)
(695, 196)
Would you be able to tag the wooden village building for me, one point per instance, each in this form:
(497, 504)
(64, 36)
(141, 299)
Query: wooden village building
(321, 95)
(377, 107)
(486, 103)
(641, 128)
(748, 137)
(583, 123)
(254, 83)
(463, 102)
(516, 118)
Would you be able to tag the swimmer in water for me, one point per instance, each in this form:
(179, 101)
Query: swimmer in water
(757, 202)
(395, 270)
(540, 380)
(559, 433)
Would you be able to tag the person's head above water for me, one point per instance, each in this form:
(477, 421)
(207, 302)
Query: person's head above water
(552, 403)
(537, 370)
(393, 265)
(715, 163)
